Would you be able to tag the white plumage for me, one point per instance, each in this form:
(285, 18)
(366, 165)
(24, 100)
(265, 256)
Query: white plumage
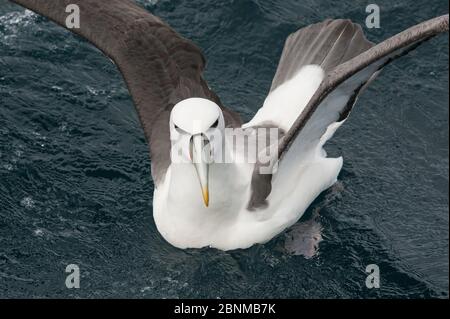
(184, 220)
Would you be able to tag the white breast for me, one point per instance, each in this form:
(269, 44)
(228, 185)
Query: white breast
(185, 222)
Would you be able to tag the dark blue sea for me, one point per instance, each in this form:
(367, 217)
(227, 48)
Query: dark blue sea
(75, 184)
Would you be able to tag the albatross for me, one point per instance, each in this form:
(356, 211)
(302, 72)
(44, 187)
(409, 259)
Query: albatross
(208, 192)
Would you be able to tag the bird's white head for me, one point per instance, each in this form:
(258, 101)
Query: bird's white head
(196, 132)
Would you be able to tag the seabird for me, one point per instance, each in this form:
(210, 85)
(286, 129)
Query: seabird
(200, 199)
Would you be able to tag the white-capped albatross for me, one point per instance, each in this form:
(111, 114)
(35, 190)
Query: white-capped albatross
(200, 199)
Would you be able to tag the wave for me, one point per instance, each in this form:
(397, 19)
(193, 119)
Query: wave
(11, 22)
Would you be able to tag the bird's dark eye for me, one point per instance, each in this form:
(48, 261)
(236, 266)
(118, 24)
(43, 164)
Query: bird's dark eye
(179, 130)
(216, 124)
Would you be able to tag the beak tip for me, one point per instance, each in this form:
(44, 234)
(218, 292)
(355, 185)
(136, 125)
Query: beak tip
(206, 197)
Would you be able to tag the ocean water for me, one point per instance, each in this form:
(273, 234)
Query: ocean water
(75, 184)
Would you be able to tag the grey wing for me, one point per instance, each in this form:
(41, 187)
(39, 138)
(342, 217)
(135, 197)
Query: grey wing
(335, 97)
(159, 66)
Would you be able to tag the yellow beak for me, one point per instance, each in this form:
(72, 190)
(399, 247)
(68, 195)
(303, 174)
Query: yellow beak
(206, 197)
(200, 161)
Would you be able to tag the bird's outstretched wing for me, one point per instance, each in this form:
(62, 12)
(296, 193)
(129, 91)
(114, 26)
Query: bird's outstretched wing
(338, 92)
(159, 66)
(349, 63)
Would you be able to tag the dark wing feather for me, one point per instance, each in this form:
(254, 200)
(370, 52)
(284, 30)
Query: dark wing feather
(327, 44)
(159, 66)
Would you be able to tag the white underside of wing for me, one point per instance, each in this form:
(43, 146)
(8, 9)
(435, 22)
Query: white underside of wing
(285, 104)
